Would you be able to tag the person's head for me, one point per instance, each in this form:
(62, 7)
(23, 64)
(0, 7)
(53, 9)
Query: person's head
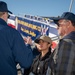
(4, 11)
(65, 23)
(43, 42)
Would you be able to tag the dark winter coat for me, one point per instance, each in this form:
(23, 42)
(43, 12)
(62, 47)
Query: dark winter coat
(40, 65)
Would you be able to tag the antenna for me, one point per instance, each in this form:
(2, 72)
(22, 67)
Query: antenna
(70, 8)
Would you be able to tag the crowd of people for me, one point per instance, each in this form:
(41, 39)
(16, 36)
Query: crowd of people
(40, 59)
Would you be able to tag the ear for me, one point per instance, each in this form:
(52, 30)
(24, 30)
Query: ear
(49, 45)
(70, 23)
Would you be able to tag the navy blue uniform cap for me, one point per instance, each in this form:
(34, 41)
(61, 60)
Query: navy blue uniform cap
(3, 7)
(66, 15)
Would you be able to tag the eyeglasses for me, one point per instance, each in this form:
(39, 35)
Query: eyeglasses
(8, 15)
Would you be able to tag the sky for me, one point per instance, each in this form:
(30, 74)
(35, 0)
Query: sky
(49, 8)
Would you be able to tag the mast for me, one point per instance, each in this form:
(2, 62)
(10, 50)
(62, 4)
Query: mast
(70, 8)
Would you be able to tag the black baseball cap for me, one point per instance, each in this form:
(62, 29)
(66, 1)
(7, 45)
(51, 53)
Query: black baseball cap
(66, 15)
(3, 7)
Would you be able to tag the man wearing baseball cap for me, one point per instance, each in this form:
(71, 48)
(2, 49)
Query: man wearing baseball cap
(12, 47)
(64, 56)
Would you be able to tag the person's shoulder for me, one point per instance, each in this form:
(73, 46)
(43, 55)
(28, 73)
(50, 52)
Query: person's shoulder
(68, 40)
(36, 58)
(12, 29)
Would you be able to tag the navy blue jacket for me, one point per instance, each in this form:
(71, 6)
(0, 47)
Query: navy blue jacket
(12, 50)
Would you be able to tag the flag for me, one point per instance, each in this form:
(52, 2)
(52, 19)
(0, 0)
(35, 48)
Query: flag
(11, 21)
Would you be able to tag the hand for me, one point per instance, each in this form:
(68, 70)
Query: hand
(28, 40)
(38, 46)
(25, 39)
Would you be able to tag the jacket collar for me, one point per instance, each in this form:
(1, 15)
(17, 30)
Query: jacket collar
(70, 36)
(46, 55)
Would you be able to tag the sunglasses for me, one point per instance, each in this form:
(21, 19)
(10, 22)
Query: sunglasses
(8, 15)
